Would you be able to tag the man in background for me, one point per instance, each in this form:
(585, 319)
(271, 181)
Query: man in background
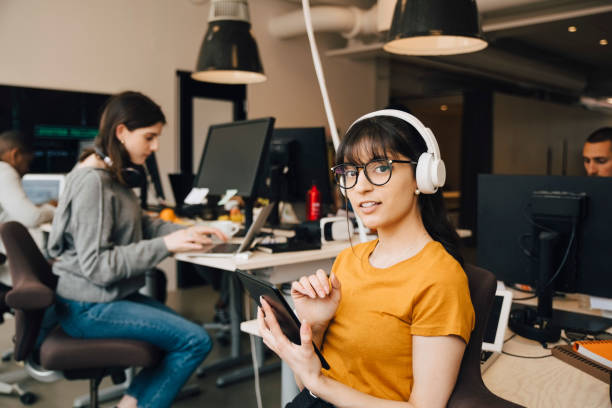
(15, 158)
(597, 153)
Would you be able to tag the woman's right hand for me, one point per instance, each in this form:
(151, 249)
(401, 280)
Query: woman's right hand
(316, 298)
(191, 239)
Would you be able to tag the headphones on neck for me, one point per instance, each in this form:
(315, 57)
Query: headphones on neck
(132, 175)
(430, 169)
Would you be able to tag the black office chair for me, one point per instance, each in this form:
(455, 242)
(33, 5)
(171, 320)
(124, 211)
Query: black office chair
(33, 291)
(470, 391)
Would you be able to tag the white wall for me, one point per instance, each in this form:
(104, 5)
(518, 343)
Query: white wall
(113, 45)
(524, 128)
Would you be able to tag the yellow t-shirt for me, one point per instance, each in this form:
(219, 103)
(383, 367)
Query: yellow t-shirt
(368, 344)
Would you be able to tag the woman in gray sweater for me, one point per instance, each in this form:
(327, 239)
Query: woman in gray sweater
(105, 244)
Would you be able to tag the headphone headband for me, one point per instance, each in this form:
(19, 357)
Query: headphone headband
(107, 160)
(131, 175)
(425, 132)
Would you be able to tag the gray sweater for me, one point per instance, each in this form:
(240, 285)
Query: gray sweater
(103, 240)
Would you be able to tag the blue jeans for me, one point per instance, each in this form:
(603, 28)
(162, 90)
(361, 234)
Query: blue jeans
(141, 318)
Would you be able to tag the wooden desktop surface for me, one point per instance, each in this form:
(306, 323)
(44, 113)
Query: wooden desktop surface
(544, 382)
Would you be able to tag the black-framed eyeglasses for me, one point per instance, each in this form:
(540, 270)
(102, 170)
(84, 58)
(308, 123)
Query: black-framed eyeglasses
(377, 171)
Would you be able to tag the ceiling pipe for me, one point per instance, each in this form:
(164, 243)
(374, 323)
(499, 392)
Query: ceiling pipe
(542, 13)
(350, 22)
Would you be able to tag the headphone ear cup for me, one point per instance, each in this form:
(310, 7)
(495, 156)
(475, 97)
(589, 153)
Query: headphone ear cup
(423, 174)
(133, 177)
(438, 173)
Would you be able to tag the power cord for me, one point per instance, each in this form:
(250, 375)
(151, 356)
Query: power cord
(565, 256)
(247, 312)
(519, 356)
(529, 357)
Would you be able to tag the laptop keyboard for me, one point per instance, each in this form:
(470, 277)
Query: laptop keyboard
(224, 248)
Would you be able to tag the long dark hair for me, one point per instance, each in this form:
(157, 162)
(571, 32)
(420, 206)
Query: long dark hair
(132, 109)
(380, 138)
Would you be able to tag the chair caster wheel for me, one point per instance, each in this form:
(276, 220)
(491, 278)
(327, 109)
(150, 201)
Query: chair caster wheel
(28, 398)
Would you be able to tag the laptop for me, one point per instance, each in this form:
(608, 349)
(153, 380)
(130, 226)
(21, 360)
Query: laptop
(226, 249)
(495, 331)
(41, 188)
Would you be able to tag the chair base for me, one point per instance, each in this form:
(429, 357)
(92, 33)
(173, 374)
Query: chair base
(115, 392)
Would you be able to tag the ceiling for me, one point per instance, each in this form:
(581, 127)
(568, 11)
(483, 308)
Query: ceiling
(579, 51)
(530, 36)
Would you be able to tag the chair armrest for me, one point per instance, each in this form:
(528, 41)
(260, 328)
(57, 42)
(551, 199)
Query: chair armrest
(30, 296)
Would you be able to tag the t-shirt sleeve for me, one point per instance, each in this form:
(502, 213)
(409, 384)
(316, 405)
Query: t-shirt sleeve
(443, 307)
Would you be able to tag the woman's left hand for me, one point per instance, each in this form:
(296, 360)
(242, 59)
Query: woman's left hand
(301, 358)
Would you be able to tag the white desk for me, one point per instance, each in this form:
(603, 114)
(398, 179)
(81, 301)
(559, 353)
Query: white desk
(275, 268)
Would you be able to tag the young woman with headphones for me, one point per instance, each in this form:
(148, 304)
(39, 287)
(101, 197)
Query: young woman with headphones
(104, 244)
(395, 315)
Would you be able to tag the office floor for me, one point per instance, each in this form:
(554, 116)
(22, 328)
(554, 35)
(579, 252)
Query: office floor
(195, 304)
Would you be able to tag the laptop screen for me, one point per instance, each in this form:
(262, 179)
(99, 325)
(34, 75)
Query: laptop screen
(41, 188)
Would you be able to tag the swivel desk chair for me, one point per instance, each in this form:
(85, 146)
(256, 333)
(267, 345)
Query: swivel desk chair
(9, 382)
(470, 391)
(33, 291)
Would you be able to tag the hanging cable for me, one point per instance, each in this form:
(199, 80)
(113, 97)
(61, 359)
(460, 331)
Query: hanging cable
(328, 110)
(247, 312)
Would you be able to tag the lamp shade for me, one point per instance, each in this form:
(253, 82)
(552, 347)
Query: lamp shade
(435, 27)
(229, 53)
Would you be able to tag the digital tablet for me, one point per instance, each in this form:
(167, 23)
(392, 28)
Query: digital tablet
(495, 331)
(287, 320)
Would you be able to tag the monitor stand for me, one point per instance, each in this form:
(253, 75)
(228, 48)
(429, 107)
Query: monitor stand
(541, 323)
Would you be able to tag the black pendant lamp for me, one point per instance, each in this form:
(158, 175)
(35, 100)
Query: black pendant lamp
(435, 27)
(229, 52)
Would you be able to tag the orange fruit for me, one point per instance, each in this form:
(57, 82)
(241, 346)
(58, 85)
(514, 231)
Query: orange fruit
(167, 214)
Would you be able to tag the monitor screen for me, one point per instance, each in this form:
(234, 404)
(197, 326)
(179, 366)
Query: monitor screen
(233, 155)
(304, 152)
(507, 223)
(41, 188)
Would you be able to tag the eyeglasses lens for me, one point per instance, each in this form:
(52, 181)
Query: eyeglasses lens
(378, 172)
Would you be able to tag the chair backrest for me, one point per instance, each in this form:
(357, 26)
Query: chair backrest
(33, 285)
(483, 285)
(470, 391)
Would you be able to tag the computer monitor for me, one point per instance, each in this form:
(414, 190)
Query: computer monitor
(232, 158)
(304, 151)
(297, 157)
(553, 233)
(42, 188)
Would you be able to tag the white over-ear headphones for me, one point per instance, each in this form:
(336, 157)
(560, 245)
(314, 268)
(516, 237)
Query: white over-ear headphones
(430, 170)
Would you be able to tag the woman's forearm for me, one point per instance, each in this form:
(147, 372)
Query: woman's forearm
(343, 396)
